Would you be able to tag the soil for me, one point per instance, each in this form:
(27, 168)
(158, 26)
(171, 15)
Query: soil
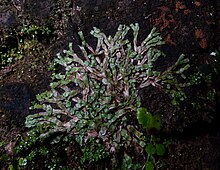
(190, 27)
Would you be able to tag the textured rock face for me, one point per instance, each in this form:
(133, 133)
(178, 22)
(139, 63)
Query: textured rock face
(15, 99)
(96, 4)
(7, 17)
(40, 9)
(183, 24)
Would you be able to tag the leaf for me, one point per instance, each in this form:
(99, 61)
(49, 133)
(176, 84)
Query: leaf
(149, 166)
(16, 167)
(22, 162)
(160, 149)
(150, 149)
(49, 109)
(144, 117)
(155, 123)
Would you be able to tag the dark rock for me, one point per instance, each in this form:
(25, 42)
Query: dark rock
(15, 99)
(7, 17)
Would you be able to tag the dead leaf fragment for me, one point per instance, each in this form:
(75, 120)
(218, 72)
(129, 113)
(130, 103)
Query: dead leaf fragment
(203, 43)
(169, 40)
(200, 36)
(197, 3)
(179, 6)
(199, 33)
(187, 11)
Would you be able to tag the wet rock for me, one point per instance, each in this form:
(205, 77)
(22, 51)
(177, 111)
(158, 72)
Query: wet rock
(95, 5)
(15, 100)
(40, 9)
(7, 17)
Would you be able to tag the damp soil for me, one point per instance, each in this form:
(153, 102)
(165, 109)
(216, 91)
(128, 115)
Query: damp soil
(190, 27)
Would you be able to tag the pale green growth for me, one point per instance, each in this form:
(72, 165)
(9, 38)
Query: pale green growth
(104, 100)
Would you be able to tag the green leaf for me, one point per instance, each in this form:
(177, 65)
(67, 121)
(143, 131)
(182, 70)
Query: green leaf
(144, 117)
(150, 149)
(22, 161)
(160, 149)
(149, 166)
(11, 167)
(156, 123)
(49, 109)
(68, 104)
(148, 121)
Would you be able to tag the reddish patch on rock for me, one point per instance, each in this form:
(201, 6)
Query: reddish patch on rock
(199, 34)
(187, 11)
(197, 3)
(203, 43)
(179, 6)
(165, 18)
(169, 40)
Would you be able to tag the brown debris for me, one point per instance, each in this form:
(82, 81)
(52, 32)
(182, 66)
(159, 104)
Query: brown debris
(197, 3)
(187, 11)
(166, 18)
(169, 40)
(179, 6)
(203, 43)
(199, 33)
